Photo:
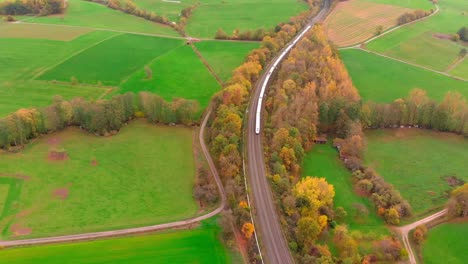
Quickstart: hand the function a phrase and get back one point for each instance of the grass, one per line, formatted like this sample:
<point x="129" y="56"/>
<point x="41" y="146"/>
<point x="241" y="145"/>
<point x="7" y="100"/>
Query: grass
<point x="383" y="80"/>
<point x="199" y="245"/>
<point x="88" y="14"/>
<point x="415" y="162"/>
<point x="168" y="9"/>
<point x="141" y="174"/>
<point x="240" y="14"/>
<point x="224" y="57"/>
<point x="41" y="32"/>
<point x="446" y="243"/>
<point x="413" y="42"/>
<point x="413" y="4"/>
<point x="353" y="22"/>
<point x="112" y="60"/>
<point x="3" y="196"/>
<point x="23" y="59"/>
<point x="178" y="73"/>
<point x="323" y="161"/>
<point x="461" y="70"/>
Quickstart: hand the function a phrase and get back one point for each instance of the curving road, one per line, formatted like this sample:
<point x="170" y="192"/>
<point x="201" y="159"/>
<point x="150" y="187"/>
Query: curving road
<point x="274" y="244"/>
<point x="404" y="230"/>
<point x="145" y="229"/>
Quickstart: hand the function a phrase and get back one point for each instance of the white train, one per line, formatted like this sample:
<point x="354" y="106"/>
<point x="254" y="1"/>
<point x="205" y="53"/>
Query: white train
<point x="258" y="114"/>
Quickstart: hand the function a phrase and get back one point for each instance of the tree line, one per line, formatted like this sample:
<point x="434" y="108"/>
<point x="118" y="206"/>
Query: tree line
<point x="35" y="7"/>
<point x="412" y="16"/>
<point x="101" y="117"/>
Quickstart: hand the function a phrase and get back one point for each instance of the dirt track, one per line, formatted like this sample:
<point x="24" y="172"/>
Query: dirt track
<point x="145" y="229"/>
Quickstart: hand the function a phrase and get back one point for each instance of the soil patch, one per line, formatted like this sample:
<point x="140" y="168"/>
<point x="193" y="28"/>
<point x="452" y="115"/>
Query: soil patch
<point x="62" y="193"/>
<point x="442" y="36"/>
<point x="453" y="181"/>
<point x="19" y="230"/>
<point x="57" y="155"/>
<point x="94" y="163"/>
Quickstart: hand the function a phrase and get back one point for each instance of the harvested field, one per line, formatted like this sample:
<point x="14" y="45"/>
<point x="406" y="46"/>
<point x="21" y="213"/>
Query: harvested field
<point x="355" y="21"/>
<point x="41" y="32"/>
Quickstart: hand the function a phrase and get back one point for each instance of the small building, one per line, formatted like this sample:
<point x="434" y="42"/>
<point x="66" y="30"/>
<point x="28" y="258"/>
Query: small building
<point x="321" y="139"/>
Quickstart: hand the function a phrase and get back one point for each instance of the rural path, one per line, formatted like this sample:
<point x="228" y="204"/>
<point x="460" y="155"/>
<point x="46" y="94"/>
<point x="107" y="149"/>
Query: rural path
<point x="275" y="246"/>
<point x="145" y="229"/>
<point x="404" y="230"/>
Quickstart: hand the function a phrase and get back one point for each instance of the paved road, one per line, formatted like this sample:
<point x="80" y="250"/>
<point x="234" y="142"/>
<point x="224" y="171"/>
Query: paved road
<point x="404" y="230"/>
<point x="145" y="229"/>
<point x="274" y="246"/>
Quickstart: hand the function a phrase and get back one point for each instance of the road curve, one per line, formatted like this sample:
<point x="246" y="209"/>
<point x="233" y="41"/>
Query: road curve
<point x="145" y="229"/>
<point x="274" y="245"/>
<point x="404" y="230"/>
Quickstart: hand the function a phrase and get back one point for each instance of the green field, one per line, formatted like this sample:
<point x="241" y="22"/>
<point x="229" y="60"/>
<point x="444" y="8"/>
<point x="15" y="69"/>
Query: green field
<point x="178" y="73"/>
<point x="461" y="68"/>
<point x="446" y="244"/>
<point x="323" y="161"/>
<point x="3" y="196"/>
<point x="200" y="245"/>
<point x="383" y="80"/>
<point x="168" y="9"/>
<point x="413" y="42"/>
<point x="241" y="14"/>
<point x="112" y="60"/>
<point x="134" y="178"/>
<point x="416" y="161"/>
<point x="88" y="14"/>
<point x="22" y="59"/>
<point x="413" y="4"/>
<point x="225" y="56"/>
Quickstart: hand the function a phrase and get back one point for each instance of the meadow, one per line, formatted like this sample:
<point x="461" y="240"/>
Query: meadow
<point x="133" y="178"/>
<point x="383" y="80"/>
<point x="446" y="243"/>
<point x="81" y="13"/>
<point x="240" y="14"/>
<point x="413" y="42"/>
<point x="417" y="162"/>
<point x="112" y="60"/>
<point x="322" y="161"/>
<point x="169" y="9"/>
<point x="225" y="56"/>
<point x="178" y="73"/>
<point x="199" y="245"/>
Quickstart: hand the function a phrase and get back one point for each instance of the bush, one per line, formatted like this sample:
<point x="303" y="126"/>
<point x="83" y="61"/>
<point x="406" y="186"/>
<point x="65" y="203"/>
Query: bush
<point x="9" y="18"/>
<point x="463" y="33"/>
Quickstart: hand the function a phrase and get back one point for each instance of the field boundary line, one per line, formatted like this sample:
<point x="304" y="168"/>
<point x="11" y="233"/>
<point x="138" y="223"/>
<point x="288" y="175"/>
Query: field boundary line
<point x="412" y="64"/>
<point x="207" y="64"/>
<point x="72" y="55"/>
<point x="149" y="63"/>
<point x="454" y="65"/>
<point x="136" y="230"/>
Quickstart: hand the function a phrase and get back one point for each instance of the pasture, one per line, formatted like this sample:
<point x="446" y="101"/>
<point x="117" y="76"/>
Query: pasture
<point x="178" y="73"/>
<point x="169" y="9"/>
<point x="431" y="36"/>
<point x="225" y="56"/>
<point x="420" y="164"/>
<point x="380" y="79"/>
<point x="240" y="14"/>
<point x="353" y="22"/>
<point x="143" y="175"/>
<point x="199" y="245"/>
<point x="461" y="70"/>
<point x="81" y="13"/>
<point x="111" y="60"/>
<point x="446" y="243"/>
<point x="413" y="4"/>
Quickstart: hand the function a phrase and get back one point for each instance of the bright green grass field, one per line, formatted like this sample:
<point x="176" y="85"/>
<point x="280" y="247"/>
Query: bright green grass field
<point x="178" y="73"/>
<point x="112" y="60"/>
<point x="413" y="4"/>
<point x="88" y="14"/>
<point x="3" y="196"/>
<point x="414" y="42"/>
<point x="240" y="14"/>
<point x="383" y="80"/>
<point x="224" y="57"/>
<point x="446" y="243"/>
<point x="144" y="175"/>
<point x="415" y="161"/>
<point x="323" y="161"/>
<point x="168" y="9"/>
<point x="461" y="69"/>
<point x="21" y="60"/>
<point x="200" y="245"/>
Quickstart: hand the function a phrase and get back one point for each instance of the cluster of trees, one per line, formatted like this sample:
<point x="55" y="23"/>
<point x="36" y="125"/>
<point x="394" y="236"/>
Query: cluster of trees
<point x="255" y="35"/>
<point x="205" y="189"/>
<point x="129" y="7"/>
<point x="36" y="7"/>
<point x="102" y="117"/>
<point x="458" y="203"/>
<point x="185" y="14"/>
<point x="463" y="33"/>
<point x="450" y="115"/>
<point x="225" y="130"/>
<point x="411" y="16"/>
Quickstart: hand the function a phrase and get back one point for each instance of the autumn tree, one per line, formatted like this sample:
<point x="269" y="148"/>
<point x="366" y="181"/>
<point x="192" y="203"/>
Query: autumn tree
<point x="458" y="203"/>
<point x="247" y="230"/>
